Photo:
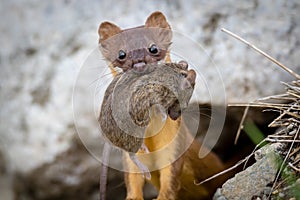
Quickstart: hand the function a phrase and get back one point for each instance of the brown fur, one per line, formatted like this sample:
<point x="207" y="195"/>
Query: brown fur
<point x="135" y="42"/>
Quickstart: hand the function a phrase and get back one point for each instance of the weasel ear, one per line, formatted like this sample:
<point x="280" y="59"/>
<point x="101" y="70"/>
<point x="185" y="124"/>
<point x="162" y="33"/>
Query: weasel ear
<point x="157" y="19"/>
<point x="106" y="30"/>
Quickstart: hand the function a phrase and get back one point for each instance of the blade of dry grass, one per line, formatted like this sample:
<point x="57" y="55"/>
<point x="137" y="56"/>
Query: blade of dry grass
<point x="262" y="52"/>
<point x="241" y="124"/>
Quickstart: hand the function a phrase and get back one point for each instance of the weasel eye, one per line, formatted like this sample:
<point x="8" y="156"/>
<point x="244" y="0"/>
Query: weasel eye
<point x="122" y="55"/>
<point x="153" y="49"/>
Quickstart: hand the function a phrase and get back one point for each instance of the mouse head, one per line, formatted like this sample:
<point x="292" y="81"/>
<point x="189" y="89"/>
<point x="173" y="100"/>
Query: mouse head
<point x="135" y="47"/>
<point x="186" y="86"/>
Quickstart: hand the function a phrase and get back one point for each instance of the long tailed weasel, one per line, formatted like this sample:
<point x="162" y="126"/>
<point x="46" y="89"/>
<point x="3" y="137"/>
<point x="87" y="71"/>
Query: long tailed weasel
<point x="174" y="179"/>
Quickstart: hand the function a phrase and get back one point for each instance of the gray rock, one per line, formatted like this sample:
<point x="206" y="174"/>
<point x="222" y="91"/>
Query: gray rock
<point x="252" y="181"/>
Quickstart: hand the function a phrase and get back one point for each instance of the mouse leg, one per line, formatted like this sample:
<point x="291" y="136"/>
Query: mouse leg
<point x="157" y="120"/>
<point x="183" y="64"/>
<point x="143" y="168"/>
<point x="144" y="148"/>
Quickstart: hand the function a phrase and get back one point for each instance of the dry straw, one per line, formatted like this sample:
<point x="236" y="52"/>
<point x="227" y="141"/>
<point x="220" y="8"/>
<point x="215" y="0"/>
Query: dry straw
<point x="288" y="121"/>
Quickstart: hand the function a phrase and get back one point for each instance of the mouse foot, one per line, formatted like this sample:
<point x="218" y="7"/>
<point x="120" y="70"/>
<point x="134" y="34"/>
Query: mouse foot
<point x="144" y="148"/>
<point x="183" y="64"/>
<point x="144" y="169"/>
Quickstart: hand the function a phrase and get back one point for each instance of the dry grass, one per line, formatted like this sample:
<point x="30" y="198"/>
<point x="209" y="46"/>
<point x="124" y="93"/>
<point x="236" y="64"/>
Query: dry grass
<point x="288" y="124"/>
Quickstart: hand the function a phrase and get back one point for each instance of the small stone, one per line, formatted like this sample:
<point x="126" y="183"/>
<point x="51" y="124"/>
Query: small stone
<point x="267" y="190"/>
<point x="256" y="198"/>
<point x="265" y="197"/>
<point x="258" y="155"/>
<point x="281" y="194"/>
<point x="290" y="127"/>
<point x="218" y="195"/>
<point x="292" y="132"/>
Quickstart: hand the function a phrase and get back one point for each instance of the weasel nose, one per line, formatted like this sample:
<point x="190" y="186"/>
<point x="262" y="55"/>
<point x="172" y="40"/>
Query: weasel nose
<point x="138" y="58"/>
<point x="139" y="67"/>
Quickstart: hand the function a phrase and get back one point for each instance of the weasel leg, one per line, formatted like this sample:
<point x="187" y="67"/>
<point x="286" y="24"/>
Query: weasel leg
<point x="112" y="69"/>
<point x="134" y="181"/>
<point x="168" y="57"/>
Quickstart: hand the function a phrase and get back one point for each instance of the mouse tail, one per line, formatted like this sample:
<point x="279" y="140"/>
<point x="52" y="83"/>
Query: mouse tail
<point x="104" y="170"/>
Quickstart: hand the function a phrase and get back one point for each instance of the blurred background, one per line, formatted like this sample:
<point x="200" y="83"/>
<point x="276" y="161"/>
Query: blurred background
<point x="45" y="43"/>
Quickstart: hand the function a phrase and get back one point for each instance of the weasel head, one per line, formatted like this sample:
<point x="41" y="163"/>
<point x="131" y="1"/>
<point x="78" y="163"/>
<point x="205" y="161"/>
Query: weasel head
<point x="135" y="47"/>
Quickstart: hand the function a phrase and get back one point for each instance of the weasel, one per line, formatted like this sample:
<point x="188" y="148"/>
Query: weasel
<point x="133" y="49"/>
<point x="126" y="49"/>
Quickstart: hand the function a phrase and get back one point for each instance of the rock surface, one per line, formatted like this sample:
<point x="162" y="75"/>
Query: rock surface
<point x="45" y="43"/>
<point x="252" y="181"/>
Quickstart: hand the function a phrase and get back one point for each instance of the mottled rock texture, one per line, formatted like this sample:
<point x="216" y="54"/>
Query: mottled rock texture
<point x="252" y="181"/>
